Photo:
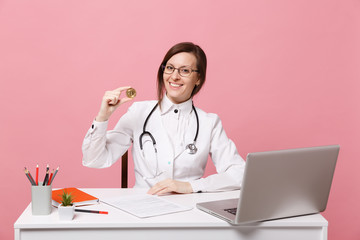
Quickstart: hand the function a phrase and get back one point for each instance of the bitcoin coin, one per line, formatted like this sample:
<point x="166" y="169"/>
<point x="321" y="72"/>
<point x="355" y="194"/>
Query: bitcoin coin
<point x="130" y="93"/>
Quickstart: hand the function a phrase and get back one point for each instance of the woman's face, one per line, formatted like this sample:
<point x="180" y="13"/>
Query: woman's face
<point x="178" y="88"/>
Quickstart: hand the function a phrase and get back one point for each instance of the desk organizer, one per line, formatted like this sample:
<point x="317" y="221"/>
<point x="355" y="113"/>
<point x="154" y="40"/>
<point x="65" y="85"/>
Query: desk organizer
<point x="41" y="199"/>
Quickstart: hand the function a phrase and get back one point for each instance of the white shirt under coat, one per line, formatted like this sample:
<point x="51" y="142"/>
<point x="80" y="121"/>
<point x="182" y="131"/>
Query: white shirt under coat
<point x="173" y="127"/>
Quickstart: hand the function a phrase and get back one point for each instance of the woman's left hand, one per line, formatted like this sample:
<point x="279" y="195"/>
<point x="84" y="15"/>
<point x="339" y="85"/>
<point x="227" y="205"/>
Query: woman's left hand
<point x="170" y="185"/>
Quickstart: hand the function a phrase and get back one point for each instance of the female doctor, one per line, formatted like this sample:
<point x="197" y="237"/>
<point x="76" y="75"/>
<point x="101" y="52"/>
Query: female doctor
<point x="171" y="138"/>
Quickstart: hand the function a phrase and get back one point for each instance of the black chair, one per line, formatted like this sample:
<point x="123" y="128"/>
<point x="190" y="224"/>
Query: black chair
<point x="124" y="170"/>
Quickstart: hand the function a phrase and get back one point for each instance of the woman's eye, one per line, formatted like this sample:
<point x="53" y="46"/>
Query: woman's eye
<point x="169" y="67"/>
<point x="185" y="70"/>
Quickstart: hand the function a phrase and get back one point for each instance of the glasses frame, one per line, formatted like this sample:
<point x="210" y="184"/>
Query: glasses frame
<point x="192" y="70"/>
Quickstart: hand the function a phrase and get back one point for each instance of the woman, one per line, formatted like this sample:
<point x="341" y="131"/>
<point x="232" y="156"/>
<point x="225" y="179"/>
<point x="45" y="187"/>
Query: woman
<point x="171" y="138"/>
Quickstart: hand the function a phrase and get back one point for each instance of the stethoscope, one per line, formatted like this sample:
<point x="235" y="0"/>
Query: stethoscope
<point x="190" y="148"/>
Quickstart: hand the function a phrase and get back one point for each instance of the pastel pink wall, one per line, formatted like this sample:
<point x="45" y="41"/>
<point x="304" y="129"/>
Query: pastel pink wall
<point x="281" y="74"/>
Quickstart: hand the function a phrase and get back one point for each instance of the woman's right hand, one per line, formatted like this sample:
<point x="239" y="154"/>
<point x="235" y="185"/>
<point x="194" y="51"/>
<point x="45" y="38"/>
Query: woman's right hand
<point x="110" y="102"/>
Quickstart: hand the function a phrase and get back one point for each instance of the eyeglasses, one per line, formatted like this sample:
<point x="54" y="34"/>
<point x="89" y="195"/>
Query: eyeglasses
<point x="183" y="71"/>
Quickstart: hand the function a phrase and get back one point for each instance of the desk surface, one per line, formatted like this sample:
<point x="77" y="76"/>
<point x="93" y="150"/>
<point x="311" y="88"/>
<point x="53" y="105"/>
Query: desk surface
<point x="119" y="219"/>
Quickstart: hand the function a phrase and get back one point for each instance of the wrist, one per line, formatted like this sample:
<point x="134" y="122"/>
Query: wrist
<point x="190" y="187"/>
<point x="101" y="118"/>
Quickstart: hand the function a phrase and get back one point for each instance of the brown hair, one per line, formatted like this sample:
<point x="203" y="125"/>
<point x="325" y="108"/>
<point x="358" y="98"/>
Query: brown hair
<point x="201" y="62"/>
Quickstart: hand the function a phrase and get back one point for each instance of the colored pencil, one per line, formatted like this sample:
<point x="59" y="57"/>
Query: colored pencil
<point x="49" y="181"/>
<point x="46" y="178"/>
<point x="32" y="180"/>
<point x="52" y="179"/>
<point x="27" y="173"/>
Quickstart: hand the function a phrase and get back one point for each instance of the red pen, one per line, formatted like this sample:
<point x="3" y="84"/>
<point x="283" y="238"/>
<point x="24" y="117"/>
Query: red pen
<point x="37" y="174"/>
<point x="49" y="181"/>
<point x="91" y="211"/>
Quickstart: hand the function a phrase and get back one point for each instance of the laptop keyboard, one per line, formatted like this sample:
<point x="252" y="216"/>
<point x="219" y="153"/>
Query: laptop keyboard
<point x="231" y="210"/>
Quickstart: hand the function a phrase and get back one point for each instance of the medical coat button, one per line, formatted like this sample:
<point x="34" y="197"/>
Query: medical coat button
<point x="169" y="162"/>
<point x="176" y="111"/>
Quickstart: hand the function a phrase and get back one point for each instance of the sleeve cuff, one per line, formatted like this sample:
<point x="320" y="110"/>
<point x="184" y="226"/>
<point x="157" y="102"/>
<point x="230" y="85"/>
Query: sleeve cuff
<point x="99" y="127"/>
<point x="198" y="185"/>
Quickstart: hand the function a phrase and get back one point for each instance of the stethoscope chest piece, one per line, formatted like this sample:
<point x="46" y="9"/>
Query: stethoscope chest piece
<point x="191" y="148"/>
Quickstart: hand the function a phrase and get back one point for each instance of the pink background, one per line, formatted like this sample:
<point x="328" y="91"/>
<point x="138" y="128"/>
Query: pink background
<point x="281" y="74"/>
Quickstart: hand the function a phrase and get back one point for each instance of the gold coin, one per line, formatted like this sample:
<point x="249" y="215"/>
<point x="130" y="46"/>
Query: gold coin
<point x="130" y="93"/>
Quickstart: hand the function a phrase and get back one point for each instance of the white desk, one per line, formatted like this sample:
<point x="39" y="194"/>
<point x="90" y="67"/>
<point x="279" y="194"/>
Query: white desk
<point x="193" y="224"/>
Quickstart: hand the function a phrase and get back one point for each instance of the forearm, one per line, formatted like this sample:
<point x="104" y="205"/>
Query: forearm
<point x="94" y="146"/>
<point x="103" y="148"/>
<point x="224" y="181"/>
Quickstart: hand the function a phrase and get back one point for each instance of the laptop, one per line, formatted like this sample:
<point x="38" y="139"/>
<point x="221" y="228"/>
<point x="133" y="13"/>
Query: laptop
<point x="280" y="184"/>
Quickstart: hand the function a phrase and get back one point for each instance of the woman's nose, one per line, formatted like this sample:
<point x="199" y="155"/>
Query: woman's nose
<point x="175" y="75"/>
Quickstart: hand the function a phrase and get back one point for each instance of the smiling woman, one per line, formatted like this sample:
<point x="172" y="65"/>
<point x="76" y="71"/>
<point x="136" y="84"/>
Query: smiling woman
<point x="171" y="138"/>
<point x="180" y="84"/>
<point x="189" y="58"/>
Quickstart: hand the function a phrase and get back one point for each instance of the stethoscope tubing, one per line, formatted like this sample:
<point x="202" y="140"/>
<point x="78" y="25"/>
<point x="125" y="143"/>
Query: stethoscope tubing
<point x="191" y="148"/>
<point x="146" y="132"/>
<point x="152" y="137"/>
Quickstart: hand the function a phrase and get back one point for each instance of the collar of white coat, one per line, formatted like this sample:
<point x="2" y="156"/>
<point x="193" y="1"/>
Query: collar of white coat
<point x="168" y="106"/>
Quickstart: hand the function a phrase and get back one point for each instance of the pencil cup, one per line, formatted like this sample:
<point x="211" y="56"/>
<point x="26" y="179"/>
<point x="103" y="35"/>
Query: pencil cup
<point x="41" y="199"/>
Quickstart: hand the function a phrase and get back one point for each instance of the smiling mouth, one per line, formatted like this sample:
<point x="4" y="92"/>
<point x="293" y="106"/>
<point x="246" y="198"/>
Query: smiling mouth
<point x="175" y="85"/>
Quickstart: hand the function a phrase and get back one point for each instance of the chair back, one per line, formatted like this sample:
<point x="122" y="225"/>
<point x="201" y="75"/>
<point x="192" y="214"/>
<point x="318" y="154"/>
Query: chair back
<point x="124" y="170"/>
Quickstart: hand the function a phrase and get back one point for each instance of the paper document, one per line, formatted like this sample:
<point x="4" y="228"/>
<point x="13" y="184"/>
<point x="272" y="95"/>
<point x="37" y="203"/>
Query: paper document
<point x="145" y="205"/>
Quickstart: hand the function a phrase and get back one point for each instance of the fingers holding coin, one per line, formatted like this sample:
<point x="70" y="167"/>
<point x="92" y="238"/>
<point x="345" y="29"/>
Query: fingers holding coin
<point x="114" y="95"/>
<point x="130" y="92"/>
<point x="112" y="100"/>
